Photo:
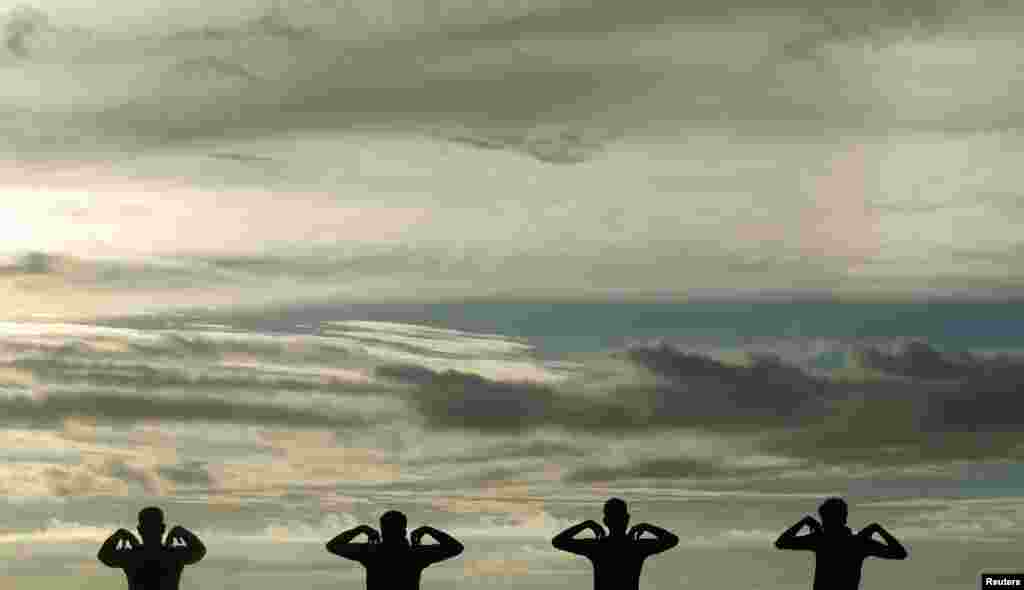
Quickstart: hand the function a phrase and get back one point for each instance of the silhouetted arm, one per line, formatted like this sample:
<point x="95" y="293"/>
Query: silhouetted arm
<point x="342" y="545"/>
<point x="663" y="541"/>
<point x="892" y="549"/>
<point x="109" y="555"/>
<point x="193" y="551"/>
<point x="789" y="540"/>
<point x="565" y="541"/>
<point x="447" y="546"/>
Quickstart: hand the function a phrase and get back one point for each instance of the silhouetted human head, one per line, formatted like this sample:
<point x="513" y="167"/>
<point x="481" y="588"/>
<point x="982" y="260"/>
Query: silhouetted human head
<point x="833" y="513"/>
<point x="151" y="525"/>
<point x="616" y="517"/>
<point x="392" y="527"/>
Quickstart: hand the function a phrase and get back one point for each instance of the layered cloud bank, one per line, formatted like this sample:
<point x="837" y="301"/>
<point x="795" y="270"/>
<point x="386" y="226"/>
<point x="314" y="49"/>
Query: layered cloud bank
<point x="220" y="414"/>
<point x="269" y="441"/>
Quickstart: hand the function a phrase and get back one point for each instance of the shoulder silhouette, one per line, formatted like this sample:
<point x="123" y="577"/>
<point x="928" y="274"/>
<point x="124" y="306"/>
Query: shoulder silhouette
<point x="839" y="553"/>
<point x="152" y="564"/>
<point x="618" y="555"/>
<point x="392" y="561"/>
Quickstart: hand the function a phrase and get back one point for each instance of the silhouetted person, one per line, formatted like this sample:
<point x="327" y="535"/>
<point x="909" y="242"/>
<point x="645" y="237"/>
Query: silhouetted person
<point x="838" y="553"/>
<point x="152" y="565"/>
<point x="618" y="556"/>
<point x="393" y="562"/>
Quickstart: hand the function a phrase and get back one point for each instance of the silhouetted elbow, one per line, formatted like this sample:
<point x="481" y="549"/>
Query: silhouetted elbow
<point x="901" y="553"/>
<point x="457" y="549"/>
<point x="780" y="544"/>
<point x="339" y="548"/>
<point x="671" y="541"/>
<point x="199" y="554"/>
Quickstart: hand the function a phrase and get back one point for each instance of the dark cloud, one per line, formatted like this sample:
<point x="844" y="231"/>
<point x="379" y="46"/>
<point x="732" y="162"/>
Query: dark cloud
<point x="698" y="390"/>
<point x="288" y="76"/>
<point x="938" y="407"/>
<point x="919" y="360"/>
<point x="958" y="391"/>
<point x="454" y="399"/>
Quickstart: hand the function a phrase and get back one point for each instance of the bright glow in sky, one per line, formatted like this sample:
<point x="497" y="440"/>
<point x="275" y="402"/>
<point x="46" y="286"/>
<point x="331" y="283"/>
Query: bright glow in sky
<point x="505" y="149"/>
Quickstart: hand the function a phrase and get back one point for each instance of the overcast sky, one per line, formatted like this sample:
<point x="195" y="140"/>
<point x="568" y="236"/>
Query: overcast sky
<point x="272" y="151"/>
<point x="159" y="157"/>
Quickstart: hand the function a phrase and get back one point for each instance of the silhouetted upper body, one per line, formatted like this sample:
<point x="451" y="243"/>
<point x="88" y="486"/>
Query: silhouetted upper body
<point x="617" y="557"/>
<point x="838" y="552"/>
<point x="152" y="565"/>
<point x="393" y="563"/>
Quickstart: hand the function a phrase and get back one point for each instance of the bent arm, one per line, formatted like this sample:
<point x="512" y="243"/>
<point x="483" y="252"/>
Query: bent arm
<point x="892" y="549"/>
<point x="789" y="540"/>
<point x="447" y="546"/>
<point x="663" y="541"/>
<point x="109" y="555"/>
<point x="194" y="549"/>
<point x="342" y="545"/>
<point x="565" y="540"/>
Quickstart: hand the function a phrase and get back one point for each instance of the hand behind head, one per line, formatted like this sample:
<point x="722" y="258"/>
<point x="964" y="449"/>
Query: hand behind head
<point x="870" y="529"/>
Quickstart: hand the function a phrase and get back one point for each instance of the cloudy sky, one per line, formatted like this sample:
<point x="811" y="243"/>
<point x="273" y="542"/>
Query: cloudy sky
<point x="234" y="239"/>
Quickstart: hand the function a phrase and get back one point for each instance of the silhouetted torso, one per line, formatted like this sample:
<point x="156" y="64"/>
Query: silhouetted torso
<point x="396" y="567"/>
<point x="617" y="561"/>
<point x="157" y="568"/>
<point x="838" y="559"/>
